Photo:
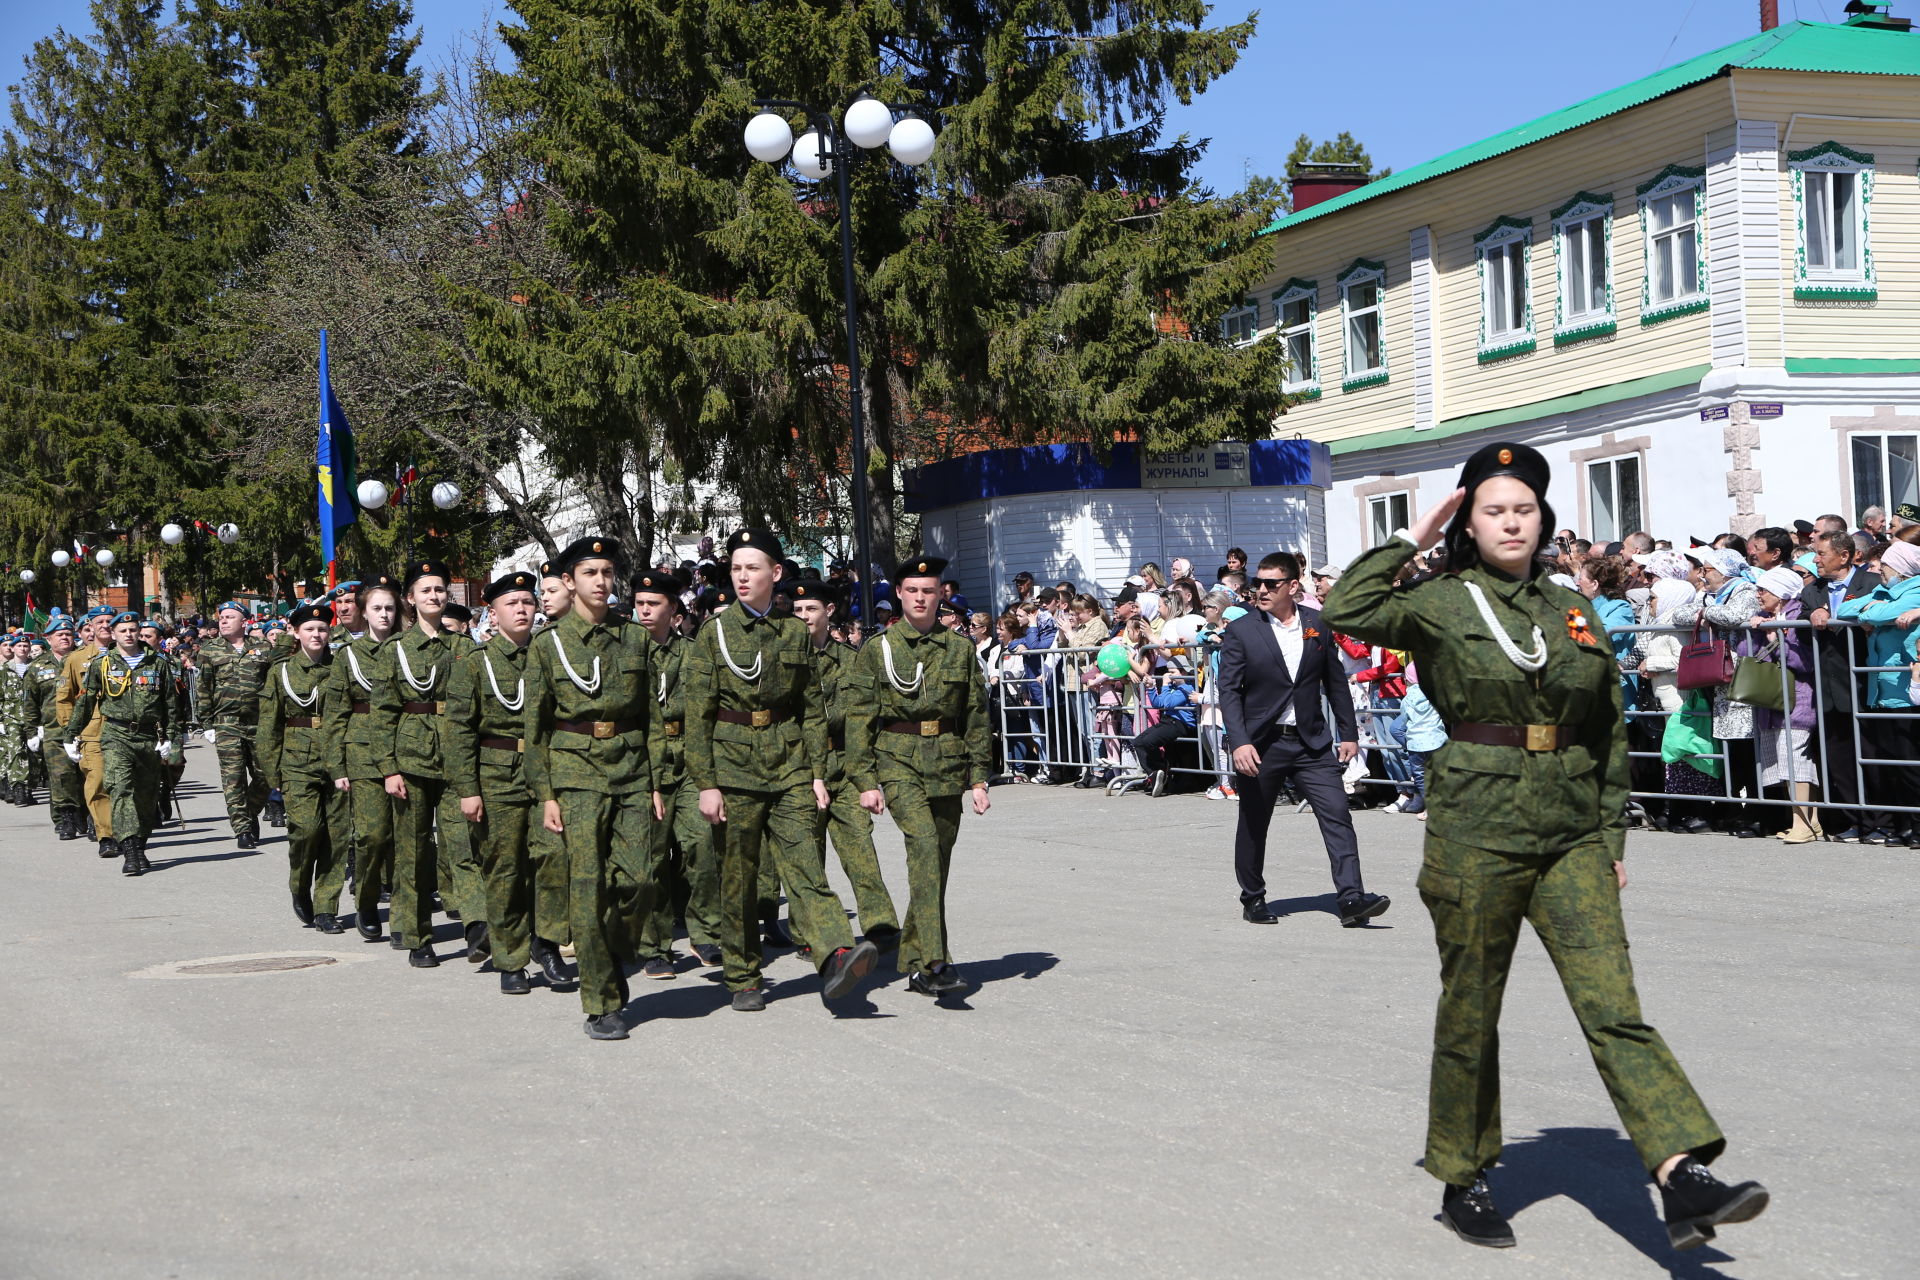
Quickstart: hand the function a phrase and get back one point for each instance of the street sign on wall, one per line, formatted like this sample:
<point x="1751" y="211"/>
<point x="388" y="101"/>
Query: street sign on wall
<point x="1208" y="467"/>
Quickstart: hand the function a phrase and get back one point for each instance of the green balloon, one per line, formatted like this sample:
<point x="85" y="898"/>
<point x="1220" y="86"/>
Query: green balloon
<point x="1114" y="661"/>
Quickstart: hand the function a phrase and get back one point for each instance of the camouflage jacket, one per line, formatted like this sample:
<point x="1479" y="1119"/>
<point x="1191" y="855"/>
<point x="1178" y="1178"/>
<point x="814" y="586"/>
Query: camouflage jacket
<point x="231" y="681"/>
<point x="833" y="665"/>
<point x="43" y="692"/>
<point x="668" y="744"/>
<point x="486" y="698"/>
<point x="950" y="750"/>
<point x="596" y="676"/>
<point x="360" y="670"/>
<point x="297" y="738"/>
<point x="420" y="665"/>
<point x="147" y="700"/>
<point x="790" y="748"/>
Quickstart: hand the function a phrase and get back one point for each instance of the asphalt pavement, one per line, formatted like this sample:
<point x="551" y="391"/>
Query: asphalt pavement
<point x="1140" y="1084"/>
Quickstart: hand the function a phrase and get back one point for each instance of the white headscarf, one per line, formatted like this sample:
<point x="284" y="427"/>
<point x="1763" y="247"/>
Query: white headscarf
<point x="1670" y="594"/>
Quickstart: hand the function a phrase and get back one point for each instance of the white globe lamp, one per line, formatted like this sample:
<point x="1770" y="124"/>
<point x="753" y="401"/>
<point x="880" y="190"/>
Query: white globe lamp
<point x="446" y="494"/>
<point x="27" y="576"/>
<point x="172" y="534"/>
<point x="372" y="494"/>
<point x="769" y="137"/>
<point x="228" y="533"/>
<point x="807" y="158"/>
<point x="868" y="122"/>
<point x="61" y="559"/>
<point x="911" y="141"/>
<point x="103" y="557"/>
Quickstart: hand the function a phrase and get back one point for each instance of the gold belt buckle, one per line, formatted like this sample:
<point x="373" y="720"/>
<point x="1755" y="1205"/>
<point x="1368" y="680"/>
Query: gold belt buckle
<point x="519" y="744"/>
<point x="603" y="728"/>
<point x="1543" y="737"/>
<point x="439" y="708"/>
<point x="763" y="717"/>
<point x="672" y="727"/>
<point x="929" y="728"/>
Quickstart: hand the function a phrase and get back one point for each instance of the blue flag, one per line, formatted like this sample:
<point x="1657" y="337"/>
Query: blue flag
<point x="339" y="474"/>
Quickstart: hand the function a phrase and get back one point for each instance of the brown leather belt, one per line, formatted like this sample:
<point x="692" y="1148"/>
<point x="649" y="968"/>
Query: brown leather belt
<point x="360" y="708"/>
<point x="596" y="728"/>
<point x="1534" y="737"/>
<point x="921" y="728"/>
<point x="752" y="719"/>
<point x="424" y="708"/>
<point x="300" y="722"/>
<point x="673" y="728"/>
<point x="503" y="744"/>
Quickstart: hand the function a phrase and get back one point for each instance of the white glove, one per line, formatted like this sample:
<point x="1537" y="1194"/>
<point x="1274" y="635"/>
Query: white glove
<point x="33" y="743"/>
<point x="73" y="751"/>
<point x="166" y="753"/>
<point x="209" y="735"/>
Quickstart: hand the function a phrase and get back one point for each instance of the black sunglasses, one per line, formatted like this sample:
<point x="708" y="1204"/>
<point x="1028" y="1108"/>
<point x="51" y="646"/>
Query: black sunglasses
<point x="1271" y="584"/>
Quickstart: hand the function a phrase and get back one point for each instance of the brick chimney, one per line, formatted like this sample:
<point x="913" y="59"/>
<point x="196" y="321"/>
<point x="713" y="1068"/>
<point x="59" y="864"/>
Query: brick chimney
<point x="1769" y="14"/>
<point x="1319" y="181"/>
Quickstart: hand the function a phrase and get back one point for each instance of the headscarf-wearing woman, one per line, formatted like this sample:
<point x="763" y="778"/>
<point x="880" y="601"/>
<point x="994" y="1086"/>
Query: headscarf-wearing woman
<point x="1781" y="738"/>
<point x="1526" y="821"/>
<point x="1728" y="602"/>
<point x="1659" y="667"/>
<point x="1890" y="645"/>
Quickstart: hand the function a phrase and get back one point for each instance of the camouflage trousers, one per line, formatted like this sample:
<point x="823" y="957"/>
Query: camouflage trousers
<point x="422" y="865"/>
<point x="506" y="866"/>
<point x="371" y="810"/>
<point x="551" y="917"/>
<point x="63" y="780"/>
<point x="852" y="830"/>
<point x="319" y="829"/>
<point x="608" y="840"/>
<point x="130" y="772"/>
<point x="929" y="825"/>
<point x="1477" y="899"/>
<point x="93" y="787"/>
<point x="17" y="767"/>
<point x="818" y="916"/>
<point x="241" y="784"/>
<point x="685" y="861"/>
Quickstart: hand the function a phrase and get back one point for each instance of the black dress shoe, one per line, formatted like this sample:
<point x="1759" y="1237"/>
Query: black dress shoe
<point x="1846" y="835"/>
<point x="1469" y="1211"/>
<point x="1876" y="836"/>
<point x="303" y="908"/>
<point x="707" y="954"/>
<point x="1693" y="826"/>
<point x="247" y="839"/>
<point x="1355" y="912"/>
<point x="109" y="848"/>
<point x="608" y="1026"/>
<point x="752" y="1000"/>
<point x="423" y="957"/>
<point x="369" y="927"/>
<point x="547" y="956"/>
<point x="936" y="982"/>
<point x="1695" y="1202"/>
<point x="845" y="969"/>
<point x="479" y="946"/>
<point x="327" y="923"/>
<point x="660" y="969"/>
<point x="1258" y="913"/>
<point x="513" y="982"/>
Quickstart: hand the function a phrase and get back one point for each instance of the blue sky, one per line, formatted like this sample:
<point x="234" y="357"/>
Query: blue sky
<point x="1409" y="79"/>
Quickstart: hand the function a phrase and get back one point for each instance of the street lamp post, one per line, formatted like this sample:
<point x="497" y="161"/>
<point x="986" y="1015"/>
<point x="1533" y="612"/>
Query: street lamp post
<point x="824" y="151"/>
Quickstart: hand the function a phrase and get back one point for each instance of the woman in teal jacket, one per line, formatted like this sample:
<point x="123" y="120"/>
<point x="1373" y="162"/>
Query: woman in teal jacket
<point x="1887" y="737"/>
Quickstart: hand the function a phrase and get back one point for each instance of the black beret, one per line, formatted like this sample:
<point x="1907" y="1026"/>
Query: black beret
<point x="1505" y="459"/>
<point x="457" y="612"/>
<point x="379" y="580"/>
<point x="789" y="570"/>
<point x="919" y="566"/>
<point x="311" y="613"/>
<point x="658" y="582"/>
<point x="759" y="540"/>
<point x="547" y="570"/>
<point x="520" y="580"/>
<point x="1803" y="526"/>
<point x="814" y="589"/>
<point x="724" y="595"/>
<point x="419" y="569"/>
<point x="592" y="547"/>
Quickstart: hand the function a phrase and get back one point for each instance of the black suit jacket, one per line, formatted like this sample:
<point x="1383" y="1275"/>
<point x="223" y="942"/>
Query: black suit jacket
<point x="1838" y="644"/>
<point x="1255" y="685"/>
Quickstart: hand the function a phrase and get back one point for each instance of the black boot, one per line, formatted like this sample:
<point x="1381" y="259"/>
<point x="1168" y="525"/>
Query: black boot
<point x="423" y="958"/>
<point x="1469" y="1211"/>
<point x="369" y="925"/>
<point x="130" y="856"/>
<point x="1695" y="1202"/>
<point x="92" y="834"/>
<point x="109" y="848"/>
<point x="276" y="813"/>
<point x="479" y="946"/>
<point x="248" y="837"/>
<point x="66" y="826"/>
<point x="303" y="907"/>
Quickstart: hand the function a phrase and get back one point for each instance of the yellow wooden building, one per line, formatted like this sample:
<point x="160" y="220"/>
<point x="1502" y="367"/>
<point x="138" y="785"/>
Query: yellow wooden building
<point x="1697" y="294"/>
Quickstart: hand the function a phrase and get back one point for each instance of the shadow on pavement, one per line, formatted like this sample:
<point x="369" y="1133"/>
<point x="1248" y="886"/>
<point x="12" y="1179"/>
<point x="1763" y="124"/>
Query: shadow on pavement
<point x="168" y="864"/>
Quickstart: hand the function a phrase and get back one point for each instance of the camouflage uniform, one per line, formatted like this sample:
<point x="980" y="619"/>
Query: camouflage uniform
<point x="685" y="856"/>
<point x="1517" y="833"/>
<point x="15" y="727"/>
<point x="590" y="753"/>
<point x="407" y="713"/>
<point x="361" y="669"/>
<point x="300" y="752"/>
<point x="64" y="797"/>
<point x="924" y="750"/>
<point x="765" y="771"/>
<point x="229" y="696"/>
<point x="140" y="706"/>
<point x="849" y="824"/>
<point x="93" y="780"/>
<point x="481" y="737"/>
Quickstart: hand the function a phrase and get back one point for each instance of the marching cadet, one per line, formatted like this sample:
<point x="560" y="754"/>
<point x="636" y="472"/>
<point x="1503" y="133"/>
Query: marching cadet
<point x="1527" y="821"/>
<point x="16" y="715"/>
<point x="94" y="639"/>
<point x="486" y="768"/>
<point x="232" y="670"/>
<point x="757" y="754"/>
<point x="143" y="712"/>
<point x="363" y="667"/>
<point x="917" y="741"/>
<point x="408" y="711"/>
<point x="551" y="921"/>
<point x="589" y="694"/>
<point x="457" y="619"/>
<point x="685" y="861"/>
<point x="300" y="753"/>
<point x="850" y="825"/>
<point x="43" y="687"/>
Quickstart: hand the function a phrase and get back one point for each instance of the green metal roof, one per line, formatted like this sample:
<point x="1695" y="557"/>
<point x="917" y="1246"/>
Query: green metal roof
<point x="1797" y="46"/>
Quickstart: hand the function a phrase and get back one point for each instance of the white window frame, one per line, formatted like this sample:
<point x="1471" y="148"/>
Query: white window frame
<point x="1573" y="323"/>
<point x="1248" y="313"/>
<point x="1813" y="171"/>
<point x="1296" y="381"/>
<point x="1670" y="182"/>
<point x="1622" y="525"/>
<point x="1886" y="499"/>
<point x="1363" y="271"/>
<point x="1503" y="253"/>
<point x="1379" y="504"/>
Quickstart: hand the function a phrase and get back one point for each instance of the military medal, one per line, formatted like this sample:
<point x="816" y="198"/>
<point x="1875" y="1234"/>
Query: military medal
<point x="1577" y="628"/>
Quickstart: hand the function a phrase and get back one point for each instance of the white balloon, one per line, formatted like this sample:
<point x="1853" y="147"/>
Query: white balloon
<point x="228" y="533"/>
<point x="172" y="534"/>
<point x="103" y="557"/>
<point x="769" y="137"/>
<point x="26" y="576"/>
<point x="446" y="494"/>
<point x="807" y="158"/>
<point x="912" y="141"/>
<point x="867" y="122"/>
<point x="60" y="559"/>
<point x="372" y="494"/>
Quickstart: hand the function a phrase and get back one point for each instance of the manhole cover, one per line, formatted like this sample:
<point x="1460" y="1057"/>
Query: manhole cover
<point x="265" y="964"/>
<point x="242" y="966"/>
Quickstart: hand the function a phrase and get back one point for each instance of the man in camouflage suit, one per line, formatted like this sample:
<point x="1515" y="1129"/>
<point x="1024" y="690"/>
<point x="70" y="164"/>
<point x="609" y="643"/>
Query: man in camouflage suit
<point x="231" y="671"/>
<point x="300" y="753"/>
<point x="64" y="798"/>
<point x="15" y="719"/>
<point x="143" y="707"/>
<point x="918" y="743"/>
